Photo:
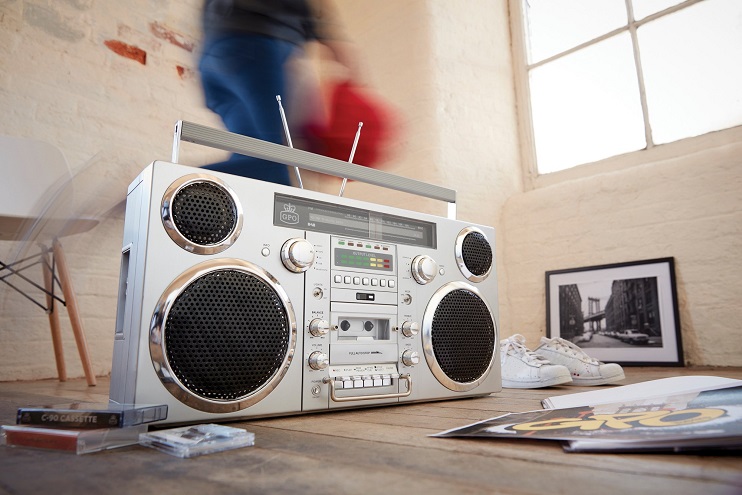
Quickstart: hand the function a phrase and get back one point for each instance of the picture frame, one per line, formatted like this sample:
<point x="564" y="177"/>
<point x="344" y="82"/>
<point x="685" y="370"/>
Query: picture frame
<point x="625" y="313"/>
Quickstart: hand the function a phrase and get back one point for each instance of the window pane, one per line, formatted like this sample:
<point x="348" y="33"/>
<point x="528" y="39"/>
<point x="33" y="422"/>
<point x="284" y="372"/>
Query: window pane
<point x="586" y="106"/>
<point x="643" y="8"/>
<point x="553" y="26"/>
<point x="692" y="70"/>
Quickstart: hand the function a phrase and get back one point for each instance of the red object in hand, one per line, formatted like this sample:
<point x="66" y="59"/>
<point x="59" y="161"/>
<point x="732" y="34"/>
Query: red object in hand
<point x="348" y="106"/>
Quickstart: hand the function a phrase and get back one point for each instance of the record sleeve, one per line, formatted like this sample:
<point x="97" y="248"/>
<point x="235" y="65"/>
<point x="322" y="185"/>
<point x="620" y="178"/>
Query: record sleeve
<point x="71" y="440"/>
<point x="190" y="441"/>
<point x="90" y="415"/>
<point x="683" y="422"/>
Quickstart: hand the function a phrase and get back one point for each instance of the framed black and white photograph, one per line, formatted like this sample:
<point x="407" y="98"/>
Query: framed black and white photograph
<point x="625" y="313"/>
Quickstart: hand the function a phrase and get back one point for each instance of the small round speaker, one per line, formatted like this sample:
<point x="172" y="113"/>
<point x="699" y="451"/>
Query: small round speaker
<point x="459" y="336"/>
<point x="222" y="335"/>
<point x="201" y="214"/>
<point x="473" y="254"/>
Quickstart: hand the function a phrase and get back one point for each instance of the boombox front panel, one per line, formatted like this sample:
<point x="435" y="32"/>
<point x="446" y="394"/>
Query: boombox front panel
<point x="254" y="315"/>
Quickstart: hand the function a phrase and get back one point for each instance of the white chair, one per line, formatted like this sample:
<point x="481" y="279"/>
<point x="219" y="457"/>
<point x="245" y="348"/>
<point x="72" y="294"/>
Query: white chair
<point x="34" y="200"/>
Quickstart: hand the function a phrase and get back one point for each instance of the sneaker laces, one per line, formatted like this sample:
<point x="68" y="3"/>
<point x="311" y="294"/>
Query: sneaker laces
<point x="516" y="343"/>
<point x="573" y="349"/>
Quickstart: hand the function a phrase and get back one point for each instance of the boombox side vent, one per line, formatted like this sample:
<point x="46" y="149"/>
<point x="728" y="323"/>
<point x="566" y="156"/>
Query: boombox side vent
<point x="201" y="214"/>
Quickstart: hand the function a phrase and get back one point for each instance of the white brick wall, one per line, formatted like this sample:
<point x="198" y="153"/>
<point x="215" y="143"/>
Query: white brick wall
<point x="446" y="68"/>
<point x="110" y="115"/>
<point x="688" y="207"/>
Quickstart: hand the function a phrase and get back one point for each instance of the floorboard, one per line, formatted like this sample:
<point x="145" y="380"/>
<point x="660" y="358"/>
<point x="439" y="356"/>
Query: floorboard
<point x="376" y="450"/>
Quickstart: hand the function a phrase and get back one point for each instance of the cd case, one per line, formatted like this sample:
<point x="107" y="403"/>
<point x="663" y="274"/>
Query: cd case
<point x="90" y="415"/>
<point x="71" y="440"/>
<point x="191" y="441"/>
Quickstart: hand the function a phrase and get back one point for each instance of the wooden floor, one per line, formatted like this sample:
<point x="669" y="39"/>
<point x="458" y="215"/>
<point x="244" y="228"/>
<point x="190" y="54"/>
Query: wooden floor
<point x="381" y="450"/>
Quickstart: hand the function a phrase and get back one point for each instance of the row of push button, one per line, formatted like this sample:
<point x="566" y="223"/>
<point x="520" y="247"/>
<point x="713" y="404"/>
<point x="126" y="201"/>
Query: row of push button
<point x="373" y="282"/>
<point x="364" y="381"/>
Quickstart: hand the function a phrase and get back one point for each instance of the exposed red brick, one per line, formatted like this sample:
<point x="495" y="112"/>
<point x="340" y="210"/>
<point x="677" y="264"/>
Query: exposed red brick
<point x="128" y="51"/>
<point x="171" y="36"/>
<point x="185" y="73"/>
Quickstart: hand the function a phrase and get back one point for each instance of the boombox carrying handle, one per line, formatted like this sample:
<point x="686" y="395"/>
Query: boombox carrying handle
<point x="244" y="145"/>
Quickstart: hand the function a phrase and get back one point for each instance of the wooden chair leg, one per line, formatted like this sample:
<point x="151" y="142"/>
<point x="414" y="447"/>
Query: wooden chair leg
<point x="73" y="311"/>
<point x="54" y="318"/>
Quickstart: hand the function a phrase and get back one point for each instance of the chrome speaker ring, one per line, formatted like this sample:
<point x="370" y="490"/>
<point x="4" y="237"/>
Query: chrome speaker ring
<point x="233" y="214"/>
<point x="428" y="338"/>
<point x="168" y="374"/>
<point x="460" y="255"/>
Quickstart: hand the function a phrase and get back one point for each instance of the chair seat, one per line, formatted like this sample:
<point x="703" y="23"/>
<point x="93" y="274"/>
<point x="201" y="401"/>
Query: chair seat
<point x="37" y="203"/>
<point x="14" y="228"/>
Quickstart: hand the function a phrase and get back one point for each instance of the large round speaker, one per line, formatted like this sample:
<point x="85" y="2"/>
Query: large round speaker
<point x="201" y="214"/>
<point x="473" y="254"/>
<point x="222" y="335"/>
<point x="459" y="336"/>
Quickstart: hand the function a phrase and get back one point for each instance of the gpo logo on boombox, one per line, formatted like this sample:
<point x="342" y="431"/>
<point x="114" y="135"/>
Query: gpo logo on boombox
<point x="240" y="298"/>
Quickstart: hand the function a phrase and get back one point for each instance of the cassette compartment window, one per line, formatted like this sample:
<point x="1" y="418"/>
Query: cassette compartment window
<point x="354" y="328"/>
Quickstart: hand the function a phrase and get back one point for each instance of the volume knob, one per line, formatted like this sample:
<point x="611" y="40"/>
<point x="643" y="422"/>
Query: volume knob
<point x="410" y="358"/>
<point x="318" y="360"/>
<point x="297" y="255"/>
<point x="424" y="269"/>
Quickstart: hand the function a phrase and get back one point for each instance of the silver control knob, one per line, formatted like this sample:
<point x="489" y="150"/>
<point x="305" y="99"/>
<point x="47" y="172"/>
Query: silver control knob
<point x="319" y="327"/>
<point x="410" y="329"/>
<point x="318" y="360"/>
<point x="410" y="358"/>
<point x="424" y="269"/>
<point x="297" y="255"/>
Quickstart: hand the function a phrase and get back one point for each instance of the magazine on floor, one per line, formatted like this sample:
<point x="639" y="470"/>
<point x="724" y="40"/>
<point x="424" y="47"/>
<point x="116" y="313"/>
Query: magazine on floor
<point x="664" y="386"/>
<point x="691" y="421"/>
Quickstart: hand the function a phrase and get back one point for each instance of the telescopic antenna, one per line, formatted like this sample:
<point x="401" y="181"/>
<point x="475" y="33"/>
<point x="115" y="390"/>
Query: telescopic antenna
<point x="352" y="154"/>
<point x="288" y="138"/>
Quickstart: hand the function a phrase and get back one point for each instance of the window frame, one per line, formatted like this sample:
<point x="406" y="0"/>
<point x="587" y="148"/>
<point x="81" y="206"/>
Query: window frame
<point x="651" y="153"/>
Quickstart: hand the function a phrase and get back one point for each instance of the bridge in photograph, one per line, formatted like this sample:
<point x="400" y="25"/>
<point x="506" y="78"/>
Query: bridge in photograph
<point x="594" y="314"/>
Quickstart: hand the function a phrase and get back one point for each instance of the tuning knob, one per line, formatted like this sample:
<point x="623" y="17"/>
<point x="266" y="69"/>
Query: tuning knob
<point x="423" y="269"/>
<point x="319" y="327"/>
<point x="318" y="360"/>
<point x="410" y="358"/>
<point x="297" y="255"/>
<point x="410" y="328"/>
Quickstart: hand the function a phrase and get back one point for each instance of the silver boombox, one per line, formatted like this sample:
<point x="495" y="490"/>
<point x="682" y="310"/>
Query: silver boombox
<point x="240" y="298"/>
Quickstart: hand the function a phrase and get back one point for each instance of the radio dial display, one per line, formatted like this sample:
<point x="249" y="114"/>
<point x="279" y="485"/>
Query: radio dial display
<point x="318" y="216"/>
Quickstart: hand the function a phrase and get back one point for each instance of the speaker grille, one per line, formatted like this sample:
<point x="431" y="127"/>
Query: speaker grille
<point x="204" y="213"/>
<point x="477" y="253"/>
<point x="463" y="336"/>
<point x="226" y="335"/>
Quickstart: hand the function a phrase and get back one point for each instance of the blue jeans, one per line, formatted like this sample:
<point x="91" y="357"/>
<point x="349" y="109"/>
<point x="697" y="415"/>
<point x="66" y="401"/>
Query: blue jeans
<point x="241" y="76"/>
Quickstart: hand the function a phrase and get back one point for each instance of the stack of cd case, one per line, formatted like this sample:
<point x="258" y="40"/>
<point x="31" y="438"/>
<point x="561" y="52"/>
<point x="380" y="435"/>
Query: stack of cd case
<point x="192" y="441"/>
<point x="81" y="427"/>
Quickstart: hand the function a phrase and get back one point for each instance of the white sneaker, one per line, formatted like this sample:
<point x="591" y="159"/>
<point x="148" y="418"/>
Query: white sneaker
<point x="522" y="368"/>
<point x="585" y="370"/>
